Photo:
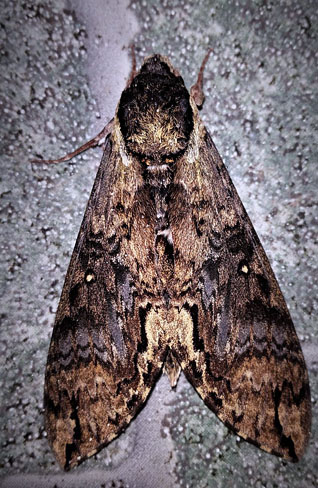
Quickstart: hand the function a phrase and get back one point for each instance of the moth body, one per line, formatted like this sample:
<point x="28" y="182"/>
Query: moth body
<point x="168" y="272"/>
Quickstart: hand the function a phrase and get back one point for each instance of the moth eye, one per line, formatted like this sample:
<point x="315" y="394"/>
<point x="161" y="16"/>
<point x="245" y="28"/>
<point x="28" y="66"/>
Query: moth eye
<point x="243" y="268"/>
<point x="90" y="277"/>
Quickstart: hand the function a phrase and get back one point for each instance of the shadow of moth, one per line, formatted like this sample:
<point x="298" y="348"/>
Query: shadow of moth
<point x="168" y="272"/>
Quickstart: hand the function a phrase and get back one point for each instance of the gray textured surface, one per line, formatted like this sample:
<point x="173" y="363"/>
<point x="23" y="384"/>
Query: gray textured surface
<point x="61" y="77"/>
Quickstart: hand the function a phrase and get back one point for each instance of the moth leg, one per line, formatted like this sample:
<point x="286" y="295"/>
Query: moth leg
<point x="197" y="90"/>
<point x="133" y="71"/>
<point x="92" y="143"/>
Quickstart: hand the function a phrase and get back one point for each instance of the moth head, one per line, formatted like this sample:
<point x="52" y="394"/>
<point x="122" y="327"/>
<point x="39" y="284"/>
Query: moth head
<point x="154" y="111"/>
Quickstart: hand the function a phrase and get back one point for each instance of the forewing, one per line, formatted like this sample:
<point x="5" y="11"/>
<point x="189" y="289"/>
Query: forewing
<point x="101" y="366"/>
<point x="243" y="355"/>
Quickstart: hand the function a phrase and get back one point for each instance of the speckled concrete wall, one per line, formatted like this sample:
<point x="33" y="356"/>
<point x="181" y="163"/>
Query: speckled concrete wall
<point x="63" y="67"/>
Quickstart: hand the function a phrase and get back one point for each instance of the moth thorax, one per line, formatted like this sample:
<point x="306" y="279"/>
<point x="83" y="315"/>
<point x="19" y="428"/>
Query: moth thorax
<point x="158" y="173"/>
<point x="157" y="132"/>
<point x="155" y="114"/>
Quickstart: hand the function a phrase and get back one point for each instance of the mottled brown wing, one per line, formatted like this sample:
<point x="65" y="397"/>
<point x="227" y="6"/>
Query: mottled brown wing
<point x="243" y="357"/>
<point x="101" y="363"/>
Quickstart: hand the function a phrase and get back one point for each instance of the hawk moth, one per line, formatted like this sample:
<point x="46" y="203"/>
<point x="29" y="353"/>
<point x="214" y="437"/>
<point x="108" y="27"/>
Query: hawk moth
<point x="168" y="272"/>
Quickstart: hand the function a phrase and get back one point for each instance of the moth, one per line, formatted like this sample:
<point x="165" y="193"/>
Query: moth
<point x="168" y="273"/>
